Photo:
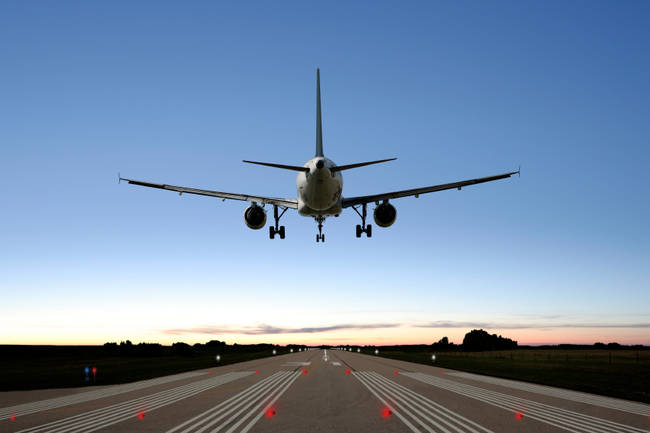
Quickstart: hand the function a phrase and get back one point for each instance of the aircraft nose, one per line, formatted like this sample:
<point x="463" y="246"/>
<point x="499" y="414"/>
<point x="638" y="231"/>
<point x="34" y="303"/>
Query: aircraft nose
<point x="320" y="164"/>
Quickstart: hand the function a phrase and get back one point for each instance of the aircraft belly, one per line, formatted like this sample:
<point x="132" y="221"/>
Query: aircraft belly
<point x="320" y="194"/>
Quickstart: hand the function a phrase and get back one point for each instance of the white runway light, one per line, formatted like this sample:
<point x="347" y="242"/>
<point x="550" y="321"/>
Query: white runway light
<point x="291" y="350"/>
<point x="433" y="358"/>
<point x="274" y="352"/>
<point x="218" y="358"/>
<point x="376" y="351"/>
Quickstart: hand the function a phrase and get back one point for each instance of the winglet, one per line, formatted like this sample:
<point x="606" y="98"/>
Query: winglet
<point x="519" y="170"/>
<point x="119" y="178"/>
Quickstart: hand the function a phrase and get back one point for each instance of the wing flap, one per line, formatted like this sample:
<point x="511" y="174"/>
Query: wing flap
<point x="285" y="202"/>
<point x="347" y="202"/>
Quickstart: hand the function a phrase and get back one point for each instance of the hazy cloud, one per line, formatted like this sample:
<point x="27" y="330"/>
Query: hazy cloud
<point x="265" y="329"/>
<point x="531" y="325"/>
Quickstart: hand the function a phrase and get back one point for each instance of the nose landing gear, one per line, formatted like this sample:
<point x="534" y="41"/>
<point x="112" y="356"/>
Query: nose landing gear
<point x="363" y="228"/>
<point x="320" y="237"/>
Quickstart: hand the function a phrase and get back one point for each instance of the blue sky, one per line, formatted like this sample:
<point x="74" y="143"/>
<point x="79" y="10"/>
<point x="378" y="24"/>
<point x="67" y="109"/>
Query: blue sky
<point x="181" y="93"/>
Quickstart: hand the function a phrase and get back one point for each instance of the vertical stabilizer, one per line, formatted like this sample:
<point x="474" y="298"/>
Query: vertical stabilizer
<point x="319" y="126"/>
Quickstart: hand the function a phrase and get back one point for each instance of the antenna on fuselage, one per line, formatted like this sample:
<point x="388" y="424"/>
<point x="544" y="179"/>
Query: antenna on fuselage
<point x="319" y="126"/>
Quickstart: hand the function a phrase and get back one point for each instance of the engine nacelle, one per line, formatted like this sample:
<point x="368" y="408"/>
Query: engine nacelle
<point x="255" y="217"/>
<point x="385" y="215"/>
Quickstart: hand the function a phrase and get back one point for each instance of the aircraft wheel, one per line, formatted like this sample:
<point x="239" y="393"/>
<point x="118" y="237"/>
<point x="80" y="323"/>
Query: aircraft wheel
<point x="369" y="230"/>
<point x="281" y="232"/>
<point x="322" y="237"/>
<point x="317" y="238"/>
<point x="271" y="232"/>
<point x="358" y="231"/>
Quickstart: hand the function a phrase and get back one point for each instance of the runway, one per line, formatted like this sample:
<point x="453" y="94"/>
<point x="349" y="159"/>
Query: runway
<point x="320" y="391"/>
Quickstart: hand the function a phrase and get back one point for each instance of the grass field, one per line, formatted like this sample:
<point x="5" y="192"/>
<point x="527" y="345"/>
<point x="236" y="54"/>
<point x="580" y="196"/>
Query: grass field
<point x="617" y="373"/>
<point x="60" y="369"/>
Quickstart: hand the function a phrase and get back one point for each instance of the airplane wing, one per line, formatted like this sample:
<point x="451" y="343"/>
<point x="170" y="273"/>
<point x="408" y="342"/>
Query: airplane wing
<point x="347" y="202"/>
<point x="285" y="202"/>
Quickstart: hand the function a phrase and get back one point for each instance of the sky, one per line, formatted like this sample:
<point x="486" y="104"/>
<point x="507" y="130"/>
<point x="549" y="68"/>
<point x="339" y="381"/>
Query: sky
<point x="181" y="93"/>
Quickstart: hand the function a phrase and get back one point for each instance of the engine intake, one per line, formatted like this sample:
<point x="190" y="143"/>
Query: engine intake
<point x="255" y="217"/>
<point x="385" y="215"/>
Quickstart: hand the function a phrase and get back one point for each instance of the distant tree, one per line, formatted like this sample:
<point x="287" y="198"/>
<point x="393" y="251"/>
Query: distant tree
<point x="182" y="349"/>
<point x="478" y="340"/>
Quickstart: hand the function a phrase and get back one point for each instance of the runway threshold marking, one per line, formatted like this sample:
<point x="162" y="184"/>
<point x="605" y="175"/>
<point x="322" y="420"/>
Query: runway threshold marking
<point x="109" y="415"/>
<point x="67" y="400"/>
<point x="296" y="364"/>
<point x="414" y="409"/>
<point x="255" y="401"/>
<point x="552" y="415"/>
<point x="580" y="397"/>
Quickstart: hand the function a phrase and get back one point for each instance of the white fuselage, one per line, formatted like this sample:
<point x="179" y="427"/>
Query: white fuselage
<point x="319" y="190"/>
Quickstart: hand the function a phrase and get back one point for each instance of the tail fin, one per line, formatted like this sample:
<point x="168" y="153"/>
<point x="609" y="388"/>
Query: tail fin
<point x="319" y="127"/>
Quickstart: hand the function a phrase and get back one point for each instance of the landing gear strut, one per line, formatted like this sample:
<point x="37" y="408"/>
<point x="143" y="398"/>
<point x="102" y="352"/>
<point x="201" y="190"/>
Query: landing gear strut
<point x="363" y="228"/>
<point x="277" y="230"/>
<point x="320" y="237"/>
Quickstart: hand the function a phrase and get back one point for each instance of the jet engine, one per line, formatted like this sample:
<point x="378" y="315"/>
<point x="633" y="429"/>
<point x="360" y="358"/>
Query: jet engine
<point x="255" y="217"/>
<point x="385" y="215"/>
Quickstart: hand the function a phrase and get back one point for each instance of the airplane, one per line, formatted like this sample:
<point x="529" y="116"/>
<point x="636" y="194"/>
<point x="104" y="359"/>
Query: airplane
<point x="320" y="186"/>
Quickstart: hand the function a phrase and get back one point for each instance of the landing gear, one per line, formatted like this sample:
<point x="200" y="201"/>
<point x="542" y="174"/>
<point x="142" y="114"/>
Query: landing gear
<point x="275" y="230"/>
<point x="320" y="237"/>
<point x="363" y="228"/>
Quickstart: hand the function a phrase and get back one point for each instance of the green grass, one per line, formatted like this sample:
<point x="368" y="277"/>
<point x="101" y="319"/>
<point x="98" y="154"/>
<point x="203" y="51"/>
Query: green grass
<point x="61" y="370"/>
<point x="617" y="373"/>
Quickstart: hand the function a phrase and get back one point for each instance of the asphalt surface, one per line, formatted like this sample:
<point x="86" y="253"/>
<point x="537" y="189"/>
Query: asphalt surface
<point x="320" y="391"/>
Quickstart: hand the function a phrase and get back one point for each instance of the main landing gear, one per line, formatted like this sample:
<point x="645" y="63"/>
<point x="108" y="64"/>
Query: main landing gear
<point x="275" y="230"/>
<point x="320" y="237"/>
<point x="363" y="228"/>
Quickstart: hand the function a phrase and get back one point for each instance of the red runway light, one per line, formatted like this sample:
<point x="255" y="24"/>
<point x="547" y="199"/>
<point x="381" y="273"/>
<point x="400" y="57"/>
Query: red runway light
<point x="94" y="370"/>
<point x="519" y="415"/>
<point x="396" y="372"/>
<point x="140" y="415"/>
<point x="347" y="371"/>
<point x="385" y="412"/>
<point x="12" y="418"/>
<point x="257" y="372"/>
<point x="304" y="372"/>
<point x="270" y="413"/>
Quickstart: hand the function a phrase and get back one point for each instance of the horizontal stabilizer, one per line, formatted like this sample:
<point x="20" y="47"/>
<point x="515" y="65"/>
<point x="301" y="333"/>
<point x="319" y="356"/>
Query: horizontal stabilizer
<point x="359" y="164"/>
<point x="285" y="167"/>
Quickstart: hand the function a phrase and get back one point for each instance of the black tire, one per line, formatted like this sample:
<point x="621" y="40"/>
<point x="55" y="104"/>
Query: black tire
<point x="322" y="237"/>
<point x="369" y="230"/>
<point x="358" y="231"/>
<point x="271" y="232"/>
<point x="281" y="232"/>
<point x="317" y="238"/>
